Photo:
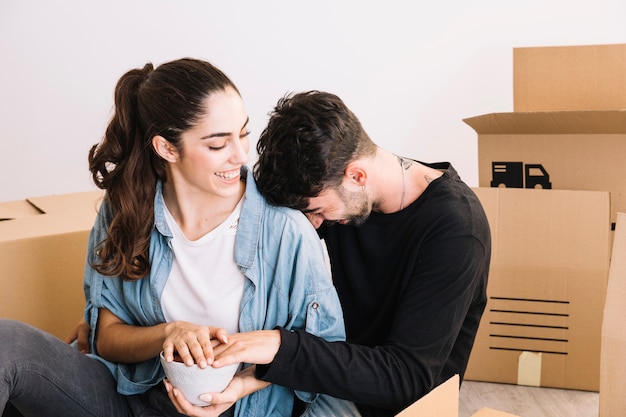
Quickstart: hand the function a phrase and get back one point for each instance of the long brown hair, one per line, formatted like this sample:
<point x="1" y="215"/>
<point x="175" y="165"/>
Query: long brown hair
<point x="165" y="101"/>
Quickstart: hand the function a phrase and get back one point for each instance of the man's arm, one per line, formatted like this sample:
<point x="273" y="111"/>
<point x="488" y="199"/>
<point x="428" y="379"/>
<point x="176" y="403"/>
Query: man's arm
<point x="395" y="373"/>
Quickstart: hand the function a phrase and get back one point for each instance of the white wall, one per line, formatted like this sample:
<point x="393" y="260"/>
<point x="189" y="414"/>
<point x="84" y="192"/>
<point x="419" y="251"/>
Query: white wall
<point x="411" y="70"/>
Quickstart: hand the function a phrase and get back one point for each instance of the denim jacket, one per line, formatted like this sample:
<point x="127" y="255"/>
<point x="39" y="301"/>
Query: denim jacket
<point x="287" y="284"/>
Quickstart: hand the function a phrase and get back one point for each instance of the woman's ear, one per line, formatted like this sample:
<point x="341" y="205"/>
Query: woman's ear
<point x="164" y="148"/>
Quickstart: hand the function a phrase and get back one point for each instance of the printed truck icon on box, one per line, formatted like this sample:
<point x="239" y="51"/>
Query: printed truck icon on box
<point x="518" y="175"/>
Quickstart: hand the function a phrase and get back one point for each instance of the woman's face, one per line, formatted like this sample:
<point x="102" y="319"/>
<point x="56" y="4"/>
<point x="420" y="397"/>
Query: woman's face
<point x="213" y="151"/>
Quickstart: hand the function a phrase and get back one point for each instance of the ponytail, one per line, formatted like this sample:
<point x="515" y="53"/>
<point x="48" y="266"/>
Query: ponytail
<point x="124" y="165"/>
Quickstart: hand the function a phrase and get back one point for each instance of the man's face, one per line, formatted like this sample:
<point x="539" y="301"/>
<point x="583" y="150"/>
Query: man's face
<point x="338" y="205"/>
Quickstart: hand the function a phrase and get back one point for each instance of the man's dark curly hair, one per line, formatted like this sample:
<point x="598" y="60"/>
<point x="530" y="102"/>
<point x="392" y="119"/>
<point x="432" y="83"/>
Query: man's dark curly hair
<point x="309" y="141"/>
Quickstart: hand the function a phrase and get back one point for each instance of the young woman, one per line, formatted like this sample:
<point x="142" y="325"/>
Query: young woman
<point x="183" y="250"/>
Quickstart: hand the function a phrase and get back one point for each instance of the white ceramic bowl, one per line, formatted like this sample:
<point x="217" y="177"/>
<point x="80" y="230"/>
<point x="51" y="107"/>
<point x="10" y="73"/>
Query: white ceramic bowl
<point x="193" y="381"/>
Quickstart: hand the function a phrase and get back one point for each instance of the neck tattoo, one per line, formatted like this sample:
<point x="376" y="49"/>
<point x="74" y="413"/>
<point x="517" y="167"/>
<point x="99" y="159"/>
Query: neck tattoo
<point x="404" y="165"/>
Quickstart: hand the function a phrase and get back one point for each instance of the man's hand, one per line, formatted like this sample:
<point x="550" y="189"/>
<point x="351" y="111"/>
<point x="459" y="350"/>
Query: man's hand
<point x="80" y="334"/>
<point x="257" y="347"/>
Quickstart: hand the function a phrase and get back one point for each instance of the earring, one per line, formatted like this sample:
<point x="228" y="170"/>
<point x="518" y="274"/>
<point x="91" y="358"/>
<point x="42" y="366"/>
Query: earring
<point x="363" y="188"/>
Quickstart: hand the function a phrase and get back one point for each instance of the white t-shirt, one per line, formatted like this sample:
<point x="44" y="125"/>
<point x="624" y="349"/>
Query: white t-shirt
<point x="204" y="286"/>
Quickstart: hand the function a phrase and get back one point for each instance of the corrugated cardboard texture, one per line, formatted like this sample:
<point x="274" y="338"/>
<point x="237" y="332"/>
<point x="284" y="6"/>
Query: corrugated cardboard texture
<point x="589" y="77"/>
<point x="547" y="285"/>
<point x="613" y="359"/>
<point x="578" y="150"/>
<point x="443" y="401"/>
<point x="43" y="244"/>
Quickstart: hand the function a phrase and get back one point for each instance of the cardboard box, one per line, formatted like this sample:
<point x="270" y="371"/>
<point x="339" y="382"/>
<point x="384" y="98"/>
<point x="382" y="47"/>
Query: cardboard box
<point x="566" y="135"/>
<point x="546" y="290"/>
<point x="613" y="359"/>
<point x="489" y="412"/>
<point x="591" y="77"/>
<point x="580" y="150"/>
<point x="43" y="244"/>
<point x="443" y="401"/>
<point x="568" y="130"/>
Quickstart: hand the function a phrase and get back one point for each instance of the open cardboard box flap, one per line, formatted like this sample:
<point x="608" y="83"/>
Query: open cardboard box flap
<point x="490" y="412"/>
<point x="443" y="401"/>
<point x="561" y="122"/>
<point x="584" y="77"/>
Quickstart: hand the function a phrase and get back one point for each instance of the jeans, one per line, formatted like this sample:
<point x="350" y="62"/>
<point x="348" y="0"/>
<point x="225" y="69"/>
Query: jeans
<point x="42" y="376"/>
<point x="326" y="406"/>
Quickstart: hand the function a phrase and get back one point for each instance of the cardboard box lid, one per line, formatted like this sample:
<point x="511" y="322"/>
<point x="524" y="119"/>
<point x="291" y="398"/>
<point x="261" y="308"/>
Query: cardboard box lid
<point x="48" y="215"/>
<point x="613" y="345"/>
<point x="17" y="210"/>
<point x="562" y="122"/>
<point x="586" y="77"/>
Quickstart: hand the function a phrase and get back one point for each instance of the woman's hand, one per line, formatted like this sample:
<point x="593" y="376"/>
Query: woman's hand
<point x="185" y="407"/>
<point x="80" y="334"/>
<point x="242" y="384"/>
<point x="193" y="343"/>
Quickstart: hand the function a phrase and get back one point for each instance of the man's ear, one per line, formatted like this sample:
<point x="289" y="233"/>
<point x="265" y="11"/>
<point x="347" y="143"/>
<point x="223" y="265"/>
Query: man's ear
<point x="355" y="176"/>
<point x="164" y="148"/>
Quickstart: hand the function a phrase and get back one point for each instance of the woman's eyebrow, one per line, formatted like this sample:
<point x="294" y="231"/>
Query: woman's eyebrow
<point x="224" y="134"/>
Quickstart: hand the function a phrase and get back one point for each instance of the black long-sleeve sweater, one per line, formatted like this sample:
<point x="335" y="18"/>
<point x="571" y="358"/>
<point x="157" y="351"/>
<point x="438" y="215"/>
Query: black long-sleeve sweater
<point x="413" y="288"/>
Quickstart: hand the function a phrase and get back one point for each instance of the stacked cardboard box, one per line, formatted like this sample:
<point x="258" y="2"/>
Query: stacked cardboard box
<point x="43" y="243"/>
<point x="552" y="180"/>
<point x="546" y="288"/>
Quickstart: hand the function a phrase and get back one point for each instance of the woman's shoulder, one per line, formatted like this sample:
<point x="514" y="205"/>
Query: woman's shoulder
<point x="288" y="216"/>
<point x="254" y="200"/>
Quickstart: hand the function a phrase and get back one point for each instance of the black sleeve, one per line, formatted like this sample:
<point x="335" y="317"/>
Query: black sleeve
<point x="448" y="278"/>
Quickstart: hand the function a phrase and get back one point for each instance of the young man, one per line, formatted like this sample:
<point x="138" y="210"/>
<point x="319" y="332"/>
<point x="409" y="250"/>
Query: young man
<point x="409" y="248"/>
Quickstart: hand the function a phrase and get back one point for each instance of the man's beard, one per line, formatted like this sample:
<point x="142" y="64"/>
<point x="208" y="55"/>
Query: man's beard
<point x="357" y="206"/>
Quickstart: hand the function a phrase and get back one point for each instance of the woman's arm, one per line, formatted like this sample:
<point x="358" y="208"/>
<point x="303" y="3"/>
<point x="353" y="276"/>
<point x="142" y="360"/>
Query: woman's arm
<point x="120" y="342"/>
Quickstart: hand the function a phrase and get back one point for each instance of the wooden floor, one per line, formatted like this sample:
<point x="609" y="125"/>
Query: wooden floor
<point x="526" y="401"/>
